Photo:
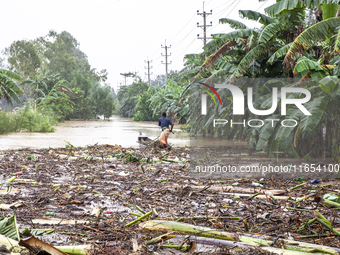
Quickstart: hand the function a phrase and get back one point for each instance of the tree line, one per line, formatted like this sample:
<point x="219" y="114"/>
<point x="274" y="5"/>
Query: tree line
<point x="297" y="44"/>
<point x="53" y="75"/>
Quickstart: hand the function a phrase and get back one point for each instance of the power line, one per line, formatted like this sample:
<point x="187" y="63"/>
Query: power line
<point x="262" y="5"/>
<point x="225" y="3"/>
<point x="219" y="12"/>
<point x="179" y="55"/>
<point x="230" y="3"/>
<point x="234" y="7"/>
<point x="187" y="46"/>
<point x="187" y="35"/>
<point x="182" y="28"/>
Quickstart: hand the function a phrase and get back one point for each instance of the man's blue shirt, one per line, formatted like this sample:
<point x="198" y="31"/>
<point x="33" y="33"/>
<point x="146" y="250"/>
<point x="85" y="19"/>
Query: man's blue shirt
<point x="164" y="122"/>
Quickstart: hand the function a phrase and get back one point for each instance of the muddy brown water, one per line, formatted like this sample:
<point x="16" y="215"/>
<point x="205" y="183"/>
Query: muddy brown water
<point x="117" y="130"/>
<point x="123" y="132"/>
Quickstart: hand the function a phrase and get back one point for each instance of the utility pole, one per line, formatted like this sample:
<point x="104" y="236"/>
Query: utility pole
<point x="166" y="60"/>
<point x="148" y="70"/>
<point x="204" y="26"/>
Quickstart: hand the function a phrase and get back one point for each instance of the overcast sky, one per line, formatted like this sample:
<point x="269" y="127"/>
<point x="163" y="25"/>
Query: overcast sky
<point x="120" y="35"/>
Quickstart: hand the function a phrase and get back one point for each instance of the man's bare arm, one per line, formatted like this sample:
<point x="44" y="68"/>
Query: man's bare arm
<point x="172" y="126"/>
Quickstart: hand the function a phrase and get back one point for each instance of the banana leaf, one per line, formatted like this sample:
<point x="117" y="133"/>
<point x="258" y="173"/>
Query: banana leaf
<point x="8" y="228"/>
<point x="332" y="197"/>
<point x="35" y="232"/>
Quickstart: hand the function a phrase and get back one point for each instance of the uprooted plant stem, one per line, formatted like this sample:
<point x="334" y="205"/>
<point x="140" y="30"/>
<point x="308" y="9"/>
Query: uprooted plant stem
<point x="65" y="188"/>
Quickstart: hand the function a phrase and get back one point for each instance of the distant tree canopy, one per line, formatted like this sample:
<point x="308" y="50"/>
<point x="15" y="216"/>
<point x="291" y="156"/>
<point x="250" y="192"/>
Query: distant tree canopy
<point x="58" y="55"/>
<point x="142" y="102"/>
<point x="128" y="97"/>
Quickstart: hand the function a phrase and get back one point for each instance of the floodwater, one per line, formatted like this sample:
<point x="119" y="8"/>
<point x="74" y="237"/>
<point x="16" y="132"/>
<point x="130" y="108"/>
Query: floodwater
<point x="116" y="131"/>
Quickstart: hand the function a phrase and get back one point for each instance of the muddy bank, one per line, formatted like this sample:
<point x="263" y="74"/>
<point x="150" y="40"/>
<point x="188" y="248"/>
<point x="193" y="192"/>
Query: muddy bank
<point x="88" y="195"/>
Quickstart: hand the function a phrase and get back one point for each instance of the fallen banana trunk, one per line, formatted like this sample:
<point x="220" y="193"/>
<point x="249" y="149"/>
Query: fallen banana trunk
<point x="166" y="226"/>
<point x="290" y="246"/>
<point x="233" y="188"/>
<point x="77" y="250"/>
<point x="197" y="218"/>
<point x="36" y="245"/>
<point x="330" y="203"/>
<point x="32" y="243"/>
<point x="258" y="196"/>
<point x="55" y="221"/>
<point x="172" y="160"/>
<point x="10" y="206"/>
<point x="10" y="244"/>
<point x="139" y="219"/>
<point x="217" y="242"/>
<point x="212" y="241"/>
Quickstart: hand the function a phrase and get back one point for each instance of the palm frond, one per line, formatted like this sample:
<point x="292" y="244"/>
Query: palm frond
<point x="220" y="39"/>
<point x="224" y="64"/>
<point x="286" y="5"/>
<point x="211" y="47"/>
<point x="279" y="53"/>
<point x="193" y="59"/>
<point x="307" y="64"/>
<point x="40" y="92"/>
<point x="253" y="15"/>
<point x="212" y="59"/>
<point x="318" y="32"/>
<point x="242" y="33"/>
<point x="253" y="54"/>
<point x="337" y="41"/>
<point x="9" y="89"/>
<point x="329" y="10"/>
<point x="189" y="74"/>
<point x="11" y="74"/>
<point x="233" y="23"/>
<point x="269" y="31"/>
<point x="217" y="74"/>
<point x="317" y="109"/>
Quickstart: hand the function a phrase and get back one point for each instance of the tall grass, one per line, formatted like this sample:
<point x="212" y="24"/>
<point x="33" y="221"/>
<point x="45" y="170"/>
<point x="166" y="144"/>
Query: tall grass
<point x="25" y="119"/>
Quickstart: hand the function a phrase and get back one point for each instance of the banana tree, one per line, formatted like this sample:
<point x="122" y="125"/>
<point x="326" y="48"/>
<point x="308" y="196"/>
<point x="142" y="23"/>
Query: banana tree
<point x="167" y="99"/>
<point x="8" y="87"/>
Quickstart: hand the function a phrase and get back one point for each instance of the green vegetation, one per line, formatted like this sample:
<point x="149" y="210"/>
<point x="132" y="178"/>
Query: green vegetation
<point x="146" y="103"/>
<point x="25" y="119"/>
<point x="9" y="90"/>
<point x="57" y="78"/>
<point x="295" y="39"/>
<point x="133" y="101"/>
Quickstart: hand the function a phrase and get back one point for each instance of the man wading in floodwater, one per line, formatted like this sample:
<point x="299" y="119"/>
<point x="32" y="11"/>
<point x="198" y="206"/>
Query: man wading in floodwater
<point x="165" y="123"/>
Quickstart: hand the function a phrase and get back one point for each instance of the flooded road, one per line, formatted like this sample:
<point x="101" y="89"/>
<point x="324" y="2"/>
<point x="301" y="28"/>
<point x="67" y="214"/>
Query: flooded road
<point x="117" y="130"/>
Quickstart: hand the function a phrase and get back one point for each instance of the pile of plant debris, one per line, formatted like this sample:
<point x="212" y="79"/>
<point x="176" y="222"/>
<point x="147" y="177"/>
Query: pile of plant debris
<point x="105" y="199"/>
